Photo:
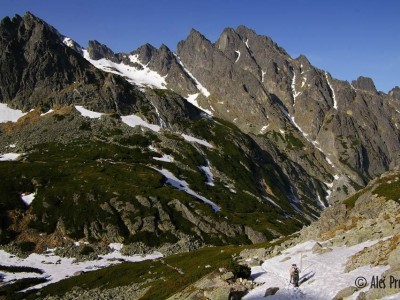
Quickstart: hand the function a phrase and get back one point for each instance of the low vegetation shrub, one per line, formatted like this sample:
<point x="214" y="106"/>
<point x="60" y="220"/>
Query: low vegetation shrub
<point x="240" y="271"/>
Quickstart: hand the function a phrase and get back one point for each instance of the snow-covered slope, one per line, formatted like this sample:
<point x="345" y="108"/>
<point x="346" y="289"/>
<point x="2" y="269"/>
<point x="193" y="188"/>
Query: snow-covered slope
<point x="8" y="114"/>
<point x="56" y="268"/>
<point x="322" y="275"/>
<point x="141" y="77"/>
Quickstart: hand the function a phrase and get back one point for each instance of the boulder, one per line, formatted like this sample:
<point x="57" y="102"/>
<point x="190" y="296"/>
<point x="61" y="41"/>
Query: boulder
<point x="227" y="276"/>
<point x="271" y="291"/>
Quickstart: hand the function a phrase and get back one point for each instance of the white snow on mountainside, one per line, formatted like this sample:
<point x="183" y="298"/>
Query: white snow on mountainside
<point x="88" y="113"/>
<point x="130" y="120"/>
<point x="9" y="156"/>
<point x="143" y="77"/>
<point x="182" y="185"/>
<point x="8" y="114"/>
<point x="199" y="86"/>
<point x="56" y="268"/>
<point x="322" y="276"/>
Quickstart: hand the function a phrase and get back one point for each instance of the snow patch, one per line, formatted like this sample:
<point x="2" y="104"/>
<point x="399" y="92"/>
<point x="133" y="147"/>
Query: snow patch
<point x="238" y="53"/>
<point x="272" y="201"/>
<point x="28" y="198"/>
<point x="285" y="112"/>
<point x="314" y="143"/>
<point x="115" y="246"/>
<point x="57" y="268"/>
<point x="303" y="82"/>
<point x="320" y="202"/>
<point x="199" y="86"/>
<point x="88" y="113"/>
<point x="263" y="129"/>
<point x="182" y="185"/>
<point x="69" y="42"/>
<point x="332" y="90"/>
<point x="152" y="148"/>
<point x="162" y="122"/>
<point x="8" y="114"/>
<point x="192" y="98"/>
<point x="143" y="77"/>
<point x="165" y="158"/>
<point x="9" y="156"/>
<point x="190" y="138"/>
<point x="133" y="120"/>
<point x="50" y="111"/>
<point x="208" y="173"/>
<point x="294" y="92"/>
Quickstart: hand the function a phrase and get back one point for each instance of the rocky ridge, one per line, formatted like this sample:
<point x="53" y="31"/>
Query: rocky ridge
<point x="249" y="80"/>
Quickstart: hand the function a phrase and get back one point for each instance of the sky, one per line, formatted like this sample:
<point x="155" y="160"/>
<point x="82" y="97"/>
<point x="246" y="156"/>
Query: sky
<point x="347" y="38"/>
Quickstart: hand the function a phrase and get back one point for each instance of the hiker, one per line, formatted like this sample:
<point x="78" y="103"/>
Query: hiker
<point x="294" y="275"/>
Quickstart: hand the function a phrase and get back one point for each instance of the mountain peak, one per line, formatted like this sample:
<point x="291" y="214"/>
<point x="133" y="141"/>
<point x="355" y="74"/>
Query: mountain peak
<point x="196" y="35"/>
<point x="395" y="93"/>
<point x="30" y="18"/>
<point x="244" y="30"/>
<point x="303" y="60"/>
<point x="165" y="48"/>
<point x="98" y="51"/>
<point x="364" y="83"/>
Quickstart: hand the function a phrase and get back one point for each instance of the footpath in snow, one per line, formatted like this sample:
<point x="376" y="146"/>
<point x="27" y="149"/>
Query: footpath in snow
<point x="322" y="275"/>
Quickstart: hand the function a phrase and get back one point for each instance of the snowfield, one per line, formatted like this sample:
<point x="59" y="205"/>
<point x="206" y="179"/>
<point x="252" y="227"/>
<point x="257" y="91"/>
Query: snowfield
<point x="9" y="156"/>
<point x="133" y="120"/>
<point x="8" y="114"/>
<point x="28" y="198"/>
<point x="88" y="113"/>
<point x="57" y="268"/>
<point x="208" y="173"/>
<point x="193" y="100"/>
<point x="164" y="158"/>
<point x="143" y="77"/>
<point x="190" y="138"/>
<point x="322" y="275"/>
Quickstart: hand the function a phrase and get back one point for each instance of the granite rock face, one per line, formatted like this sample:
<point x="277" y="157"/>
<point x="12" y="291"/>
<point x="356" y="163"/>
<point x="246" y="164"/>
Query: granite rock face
<point x="258" y="86"/>
<point x="38" y="70"/>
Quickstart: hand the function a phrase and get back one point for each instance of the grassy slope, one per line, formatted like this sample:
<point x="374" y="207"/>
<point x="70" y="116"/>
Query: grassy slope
<point x="73" y="180"/>
<point x="165" y="280"/>
<point x="387" y="187"/>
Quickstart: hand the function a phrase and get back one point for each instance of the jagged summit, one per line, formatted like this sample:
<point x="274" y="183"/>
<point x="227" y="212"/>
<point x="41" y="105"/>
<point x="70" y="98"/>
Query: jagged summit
<point x="194" y="33"/>
<point x="395" y="93"/>
<point x="98" y="51"/>
<point x="364" y="83"/>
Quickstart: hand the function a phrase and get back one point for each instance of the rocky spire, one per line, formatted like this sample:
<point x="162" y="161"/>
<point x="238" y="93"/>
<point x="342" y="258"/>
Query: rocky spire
<point x="364" y="83"/>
